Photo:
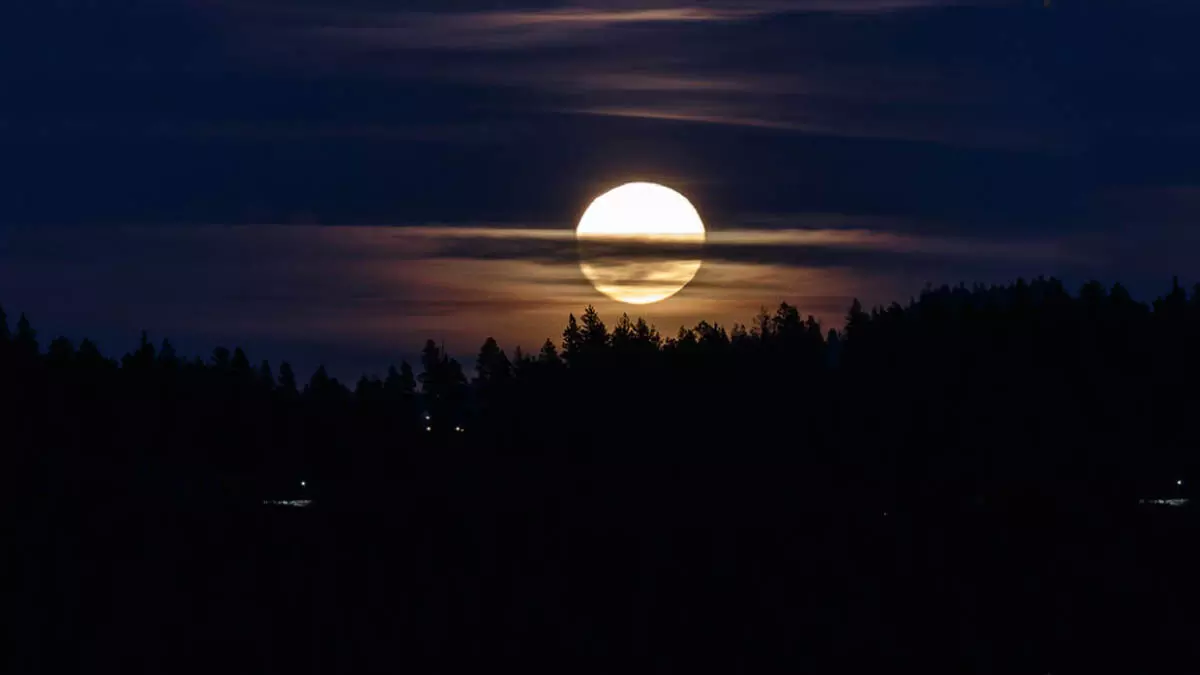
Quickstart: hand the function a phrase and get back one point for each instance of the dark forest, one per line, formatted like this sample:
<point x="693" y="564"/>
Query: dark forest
<point x="845" y="495"/>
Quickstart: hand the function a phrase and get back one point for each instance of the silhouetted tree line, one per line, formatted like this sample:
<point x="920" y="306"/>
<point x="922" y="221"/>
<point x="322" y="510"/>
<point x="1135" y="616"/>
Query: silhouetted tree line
<point x="964" y="391"/>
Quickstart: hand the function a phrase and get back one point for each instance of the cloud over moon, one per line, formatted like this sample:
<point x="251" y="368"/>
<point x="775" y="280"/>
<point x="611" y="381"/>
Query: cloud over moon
<point x="779" y="246"/>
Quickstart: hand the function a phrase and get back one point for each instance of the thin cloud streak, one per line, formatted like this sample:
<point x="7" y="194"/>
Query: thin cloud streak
<point x="500" y="30"/>
<point x="773" y="244"/>
<point x="674" y="114"/>
<point x="749" y="115"/>
<point x="607" y="59"/>
<point x="487" y="29"/>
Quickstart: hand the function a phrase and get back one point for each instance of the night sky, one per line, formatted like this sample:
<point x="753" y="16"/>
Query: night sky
<point x="335" y="181"/>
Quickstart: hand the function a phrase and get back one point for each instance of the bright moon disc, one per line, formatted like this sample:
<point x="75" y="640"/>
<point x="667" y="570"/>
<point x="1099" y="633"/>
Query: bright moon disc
<point x="644" y="216"/>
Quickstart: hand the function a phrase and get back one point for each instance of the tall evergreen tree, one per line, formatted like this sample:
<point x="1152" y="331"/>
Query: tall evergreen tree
<point x="391" y="383"/>
<point x="593" y="331"/>
<point x="26" y="339"/>
<point x="833" y="352"/>
<point x="442" y="382"/>
<point x="431" y="366"/>
<point x="645" y="336"/>
<point x="400" y="389"/>
<point x="407" y="383"/>
<point x="166" y="355"/>
<point x="265" y="376"/>
<point x="492" y="366"/>
<point x="856" y="320"/>
<point x="623" y="333"/>
<point x="142" y="359"/>
<point x="60" y="351"/>
<point x="548" y="356"/>
<point x="287" y="379"/>
<point x="320" y="383"/>
<point x="240" y="364"/>
<point x="572" y="344"/>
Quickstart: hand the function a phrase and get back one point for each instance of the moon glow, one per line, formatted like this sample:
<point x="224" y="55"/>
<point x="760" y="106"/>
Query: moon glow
<point x="627" y="239"/>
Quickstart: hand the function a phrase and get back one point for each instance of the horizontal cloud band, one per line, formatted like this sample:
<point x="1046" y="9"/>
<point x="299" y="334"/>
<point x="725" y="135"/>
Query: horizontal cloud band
<point x="778" y="246"/>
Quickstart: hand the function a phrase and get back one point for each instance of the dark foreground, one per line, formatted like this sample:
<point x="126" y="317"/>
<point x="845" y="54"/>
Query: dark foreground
<point x="709" y="502"/>
<point x="504" y="572"/>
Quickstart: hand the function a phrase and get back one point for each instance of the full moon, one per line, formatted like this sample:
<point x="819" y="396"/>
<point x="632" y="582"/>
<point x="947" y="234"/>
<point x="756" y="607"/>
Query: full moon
<point x="622" y="235"/>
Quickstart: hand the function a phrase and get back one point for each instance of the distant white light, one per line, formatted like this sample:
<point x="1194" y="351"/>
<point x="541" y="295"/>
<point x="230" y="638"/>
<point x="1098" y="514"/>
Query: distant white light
<point x="303" y="484"/>
<point x="1165" y="502"/>
<point x="428" y="428"/>
<point x="427" y="417"/>
<point x="301" y="503"/>
<point x="458" y="428"/>
<point x="1179" y="482"/>
<point x="885" y="513"/>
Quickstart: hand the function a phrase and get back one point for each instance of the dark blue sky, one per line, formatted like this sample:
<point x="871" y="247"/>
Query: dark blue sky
<point x="174" y="165"/>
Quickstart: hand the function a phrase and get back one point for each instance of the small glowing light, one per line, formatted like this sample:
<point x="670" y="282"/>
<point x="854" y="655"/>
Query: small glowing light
<point x="428" y="428"/>
<point x="289" y="502"/>
<point x="427" y="417"/>
<point x="885" y="514"/>
<point x="1179" y="482"/>
<point x="303" y="483"/>
<point x="458" y="428"/>
<point x="1165" y="502"/>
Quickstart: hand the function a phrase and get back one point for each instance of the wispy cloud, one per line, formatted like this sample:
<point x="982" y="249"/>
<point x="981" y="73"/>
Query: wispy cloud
<point x="780" y="246"/>
<point x="502" y="30"/>
<point x="901" y="102"/>
<point x="479" y="29"/>
<point x="706" y="114"/>
<point x="489" y="29"/>
<point x="765" y="64"/>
